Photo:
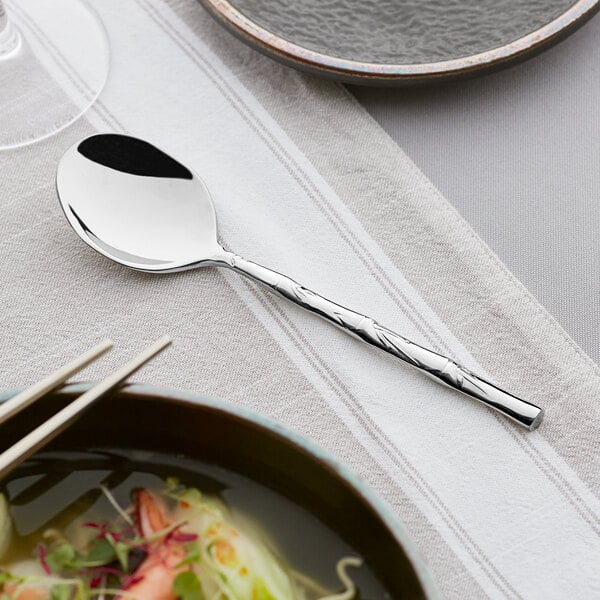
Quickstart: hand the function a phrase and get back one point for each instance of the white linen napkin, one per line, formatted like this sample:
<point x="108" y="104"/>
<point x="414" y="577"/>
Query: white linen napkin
<point x="305" y="183"/>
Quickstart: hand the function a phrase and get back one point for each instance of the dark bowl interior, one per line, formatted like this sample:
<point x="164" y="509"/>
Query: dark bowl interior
<point x="212" y="433"/>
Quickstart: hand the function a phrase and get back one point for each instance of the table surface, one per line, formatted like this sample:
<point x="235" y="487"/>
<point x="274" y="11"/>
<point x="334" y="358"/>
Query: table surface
<point x="516" y="152"/>
<point x="306" y="182"/>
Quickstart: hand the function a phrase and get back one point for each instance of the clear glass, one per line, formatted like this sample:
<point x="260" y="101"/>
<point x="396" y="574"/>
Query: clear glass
<point x="54" y="60"/>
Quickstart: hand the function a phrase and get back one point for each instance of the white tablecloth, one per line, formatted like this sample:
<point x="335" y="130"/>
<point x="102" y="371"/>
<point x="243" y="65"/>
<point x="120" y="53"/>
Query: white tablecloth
<point x="496" y="512"/>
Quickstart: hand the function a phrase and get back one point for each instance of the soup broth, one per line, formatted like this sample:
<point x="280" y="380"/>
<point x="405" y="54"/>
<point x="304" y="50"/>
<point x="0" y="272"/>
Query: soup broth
<point x="61" y="491"/>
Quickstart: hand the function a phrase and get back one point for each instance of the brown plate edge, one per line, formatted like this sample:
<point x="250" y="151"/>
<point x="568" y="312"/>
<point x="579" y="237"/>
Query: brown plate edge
<point x="365" y="73"/>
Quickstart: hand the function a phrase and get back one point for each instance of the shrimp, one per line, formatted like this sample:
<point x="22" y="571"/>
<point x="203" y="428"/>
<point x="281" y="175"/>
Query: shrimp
<point x="154" y="578"/>
<point x="15" y="588"/>
<point x="230" y="563"/>
<point x="26" y="593"/>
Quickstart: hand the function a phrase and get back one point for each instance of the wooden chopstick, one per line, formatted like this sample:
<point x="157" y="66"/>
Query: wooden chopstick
<point x="46" y="432"/>
<point x="23" y="399"/>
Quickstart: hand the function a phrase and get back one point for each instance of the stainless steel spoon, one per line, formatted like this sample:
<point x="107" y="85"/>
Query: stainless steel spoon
<point x="141" y="208"/>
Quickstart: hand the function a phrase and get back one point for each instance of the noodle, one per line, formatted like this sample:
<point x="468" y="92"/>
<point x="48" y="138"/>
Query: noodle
<point x="350" y="592"/>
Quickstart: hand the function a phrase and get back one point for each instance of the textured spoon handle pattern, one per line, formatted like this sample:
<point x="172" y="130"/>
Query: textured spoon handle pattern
<point x="441" y="368"/>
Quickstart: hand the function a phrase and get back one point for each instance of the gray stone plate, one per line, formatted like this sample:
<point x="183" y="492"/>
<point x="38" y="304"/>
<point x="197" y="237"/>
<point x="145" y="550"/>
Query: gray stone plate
<point x="400" y="41"/>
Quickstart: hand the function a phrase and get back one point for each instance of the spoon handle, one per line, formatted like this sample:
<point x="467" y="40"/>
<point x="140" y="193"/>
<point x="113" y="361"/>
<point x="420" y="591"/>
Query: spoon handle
<point x="440" y="368"/>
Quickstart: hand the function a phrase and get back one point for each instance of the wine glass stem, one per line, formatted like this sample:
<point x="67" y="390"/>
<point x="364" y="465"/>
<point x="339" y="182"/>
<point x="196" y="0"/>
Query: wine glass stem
<point x="9" y="37"/>
<point x="3" y="17"/>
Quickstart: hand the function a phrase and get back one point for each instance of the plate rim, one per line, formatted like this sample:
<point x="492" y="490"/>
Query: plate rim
<point x="302" y="442"/>
<point x="355" y="71"/>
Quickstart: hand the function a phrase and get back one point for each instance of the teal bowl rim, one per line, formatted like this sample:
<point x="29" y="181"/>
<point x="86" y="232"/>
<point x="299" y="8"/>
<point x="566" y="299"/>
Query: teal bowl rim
<point x="381" y="507"/>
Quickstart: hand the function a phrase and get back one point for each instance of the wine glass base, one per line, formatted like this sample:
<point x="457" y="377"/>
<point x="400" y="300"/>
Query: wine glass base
<point x="54" y="60"/>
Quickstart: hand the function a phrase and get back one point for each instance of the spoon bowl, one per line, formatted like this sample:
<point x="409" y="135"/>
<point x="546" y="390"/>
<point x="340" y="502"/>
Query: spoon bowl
<point x="143" y="209"/>
<point x="136" y="205"/>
